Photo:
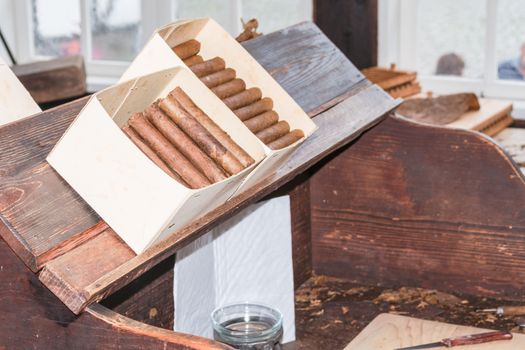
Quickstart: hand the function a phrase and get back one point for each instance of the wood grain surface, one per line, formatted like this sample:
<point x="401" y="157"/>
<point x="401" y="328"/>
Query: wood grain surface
<point x="33" y="318"/>
<point x="513" y="141"/>
<point x="422" y="206"/>
<point x="44" y="217"/>
<point x="388" y="332"/>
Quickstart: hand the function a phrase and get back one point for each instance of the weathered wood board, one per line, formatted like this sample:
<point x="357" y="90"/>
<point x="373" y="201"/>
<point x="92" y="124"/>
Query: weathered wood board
<point x="388" y="332"/>
<point x="513" y="141"/>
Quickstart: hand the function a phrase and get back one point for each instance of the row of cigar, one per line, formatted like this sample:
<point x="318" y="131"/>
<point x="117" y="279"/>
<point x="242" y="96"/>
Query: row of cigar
<point x="254" y="110"/>
<point x="184" y="142"/>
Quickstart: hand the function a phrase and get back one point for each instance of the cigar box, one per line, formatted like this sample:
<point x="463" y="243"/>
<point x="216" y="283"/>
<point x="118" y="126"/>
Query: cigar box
<point x="137" y="199"/>
<point x="216" y="42"/>
<point x="15" y="100"/>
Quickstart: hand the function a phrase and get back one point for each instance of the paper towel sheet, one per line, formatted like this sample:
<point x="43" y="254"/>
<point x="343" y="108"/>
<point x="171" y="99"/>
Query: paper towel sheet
<point x="247" y="258"/>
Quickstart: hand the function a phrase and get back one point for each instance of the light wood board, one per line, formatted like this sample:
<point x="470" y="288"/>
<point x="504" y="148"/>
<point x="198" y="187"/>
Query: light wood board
<point x="513" y="141"/>
<point x="389" y="332"/>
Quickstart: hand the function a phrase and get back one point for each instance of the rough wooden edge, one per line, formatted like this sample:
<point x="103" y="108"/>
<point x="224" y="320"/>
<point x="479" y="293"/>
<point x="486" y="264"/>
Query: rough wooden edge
<point x="122" y="323"/>
<point x="131" y="269"/>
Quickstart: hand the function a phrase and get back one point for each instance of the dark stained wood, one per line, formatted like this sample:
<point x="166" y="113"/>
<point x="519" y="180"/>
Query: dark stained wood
<point x="53" y="80"/>
<point x="42" y="212"/>
<point x="148" y="299"/>
<point x="301" y="233"/>
<point x="32" y="318"/>
<point x="315" y="64"/>
<point x="421" y="206"/>
<point x="352" y="26"/>
<point x="337" y="127"/>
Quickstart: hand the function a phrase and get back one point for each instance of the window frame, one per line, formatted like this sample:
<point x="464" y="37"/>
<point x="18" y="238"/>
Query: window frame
<point x="102" y="73"/>
<point x="397" y="43"/>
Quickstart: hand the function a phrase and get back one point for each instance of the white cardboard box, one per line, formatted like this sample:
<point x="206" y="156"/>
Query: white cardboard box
<point x="215" y="41"/>
<point x="137" y="199"/>
<point x="15" y="100"/>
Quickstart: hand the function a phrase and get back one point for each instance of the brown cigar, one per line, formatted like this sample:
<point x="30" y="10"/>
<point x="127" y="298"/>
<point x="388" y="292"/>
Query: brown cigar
<point x="254" y="109"/>
<point x="218" y="78"/>
<point x="165" y="150"/>
<point x="185" y="101"/>
<point x="262" y="121"/>
<point x="273" y="132"/>
<point x="193" y="60"/>
<point x="207" y="67"/>
<point x="229" y="89"/>
<point x="184" y="144"/>
<point x="243" y="98"/>
<point x="133" y="136"/>
<point x="201" y="136"/>
<point x="286" y="140"/>
<point x="187" y="49"/>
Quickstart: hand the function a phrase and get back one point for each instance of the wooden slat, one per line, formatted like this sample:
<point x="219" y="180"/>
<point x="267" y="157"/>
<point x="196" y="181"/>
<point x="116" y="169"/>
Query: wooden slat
<point x="337" y="127"/>
<point x="44" y="217"/>
<point x="422" y="206"/>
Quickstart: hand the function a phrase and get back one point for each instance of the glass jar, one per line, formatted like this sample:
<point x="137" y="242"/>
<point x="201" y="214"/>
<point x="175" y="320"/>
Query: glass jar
<point x="248" y="326"/>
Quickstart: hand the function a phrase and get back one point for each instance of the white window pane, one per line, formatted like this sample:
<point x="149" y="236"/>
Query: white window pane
<point x="219" y="10"/>
<point x="115" y="28"/>
<point x="56" y="27"/>
<point x="510" y="46"/>
<point x="451" y="35"/>
<point x="273" y="15"/>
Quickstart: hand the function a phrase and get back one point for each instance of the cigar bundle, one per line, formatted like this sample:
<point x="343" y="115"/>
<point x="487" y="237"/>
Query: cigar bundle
<point x="183" y="141"/>
<point x="248" y="104"/>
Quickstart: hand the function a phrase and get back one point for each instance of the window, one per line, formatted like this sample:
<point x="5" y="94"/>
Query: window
<point x="109" y="33"/>
<point x="457" y="45"/>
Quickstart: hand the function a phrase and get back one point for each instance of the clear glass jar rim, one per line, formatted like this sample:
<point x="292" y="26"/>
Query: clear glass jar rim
<point x="249" y="336"/>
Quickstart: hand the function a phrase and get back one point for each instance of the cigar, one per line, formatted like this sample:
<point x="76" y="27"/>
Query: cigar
<point x="137" y="140"/>
<point x="201" y="136"/>
<point x="262" y="121"/>
<point x="229" y="89"/>
<point x="286" y="140"/>
<point x="167" y="152"/>
<point x="273" y="132"/>
<point x="207" y="67"/>
<point x="254" y="109"/>
<point x="187" y="104"/>
<point x="218" y="78"/>
<point x="193" y="60"/>
<point x="187" y="49"/>
<point x="243" y="98"/>
<point x="184" y="144"/>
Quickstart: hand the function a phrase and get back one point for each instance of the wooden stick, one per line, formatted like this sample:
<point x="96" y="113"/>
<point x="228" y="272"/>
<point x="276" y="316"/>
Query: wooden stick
<point x="229" y="89"/>
<point x="258" y="107"/>
<point x="184" y="144"/>
<point x="165" y="150"/>
<point x="201" y="136"/>
<point x="185" y="101"/>
<point x="187" y="49"/>
<point x="137" y="140"/>
<point x="262" y="121"/>
<point x="193" y="60"/>
<point x="286" y="140"/>
<point x="218" y="78"/>
<point x="208" y="67"/>
<point x="243" y="98"/>
<point x="273" y="132"/>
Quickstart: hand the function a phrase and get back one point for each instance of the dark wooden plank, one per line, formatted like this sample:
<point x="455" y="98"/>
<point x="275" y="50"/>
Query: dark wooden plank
<point x="353" y="29"/>
<point x="45" y="216"/>
<point x="32" y="318"/>
<point x="301" y="56"/>
<point x="337" y="127"/>
<point x="36" y="204"/>
<point x="53" y="80"/>
<point x="422" y="206"/>
<point x="148" y="299"/>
